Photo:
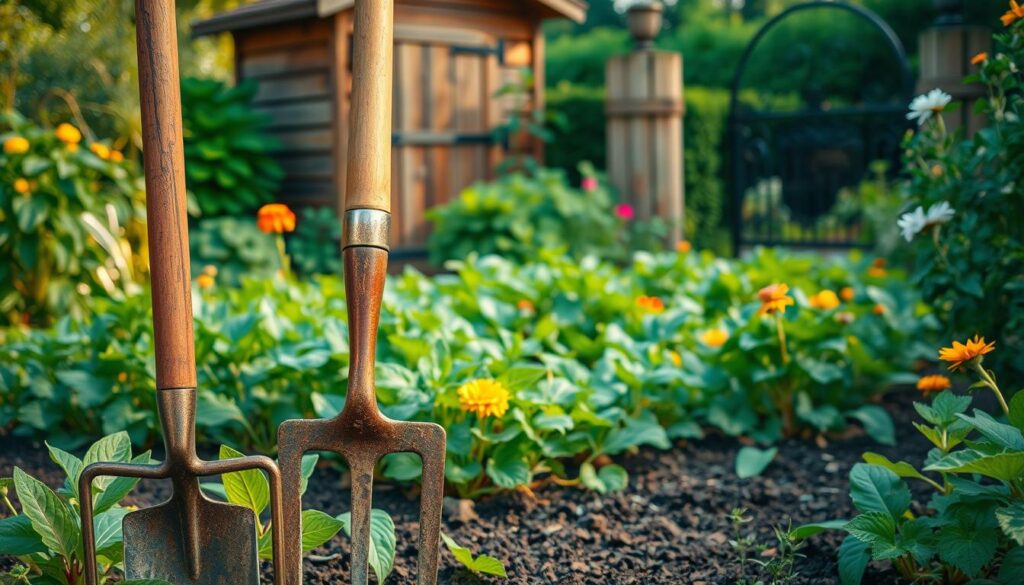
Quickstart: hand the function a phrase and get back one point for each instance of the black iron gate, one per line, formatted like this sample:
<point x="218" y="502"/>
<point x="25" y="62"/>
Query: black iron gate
<point x="793" y="168"/>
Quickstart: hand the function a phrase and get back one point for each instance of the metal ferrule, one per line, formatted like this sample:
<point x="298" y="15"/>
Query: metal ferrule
<point x="367" y="227"/>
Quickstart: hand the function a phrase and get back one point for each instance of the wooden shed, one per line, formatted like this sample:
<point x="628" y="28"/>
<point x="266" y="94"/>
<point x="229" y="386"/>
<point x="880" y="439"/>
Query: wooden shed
<point x="451" y="57"/>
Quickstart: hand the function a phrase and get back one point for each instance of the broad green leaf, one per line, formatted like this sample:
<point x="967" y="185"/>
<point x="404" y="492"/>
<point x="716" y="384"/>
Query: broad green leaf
<point x="854" y="556"/>
<point x="382" y="541"/>
<point x="114" y="448"/>
<point x="1013" y="566"/>
<point x="17" y="537"/>
<point x="878" y="529"/>
<point x="248" y="488"/>
<point x="751" y="461"/>
<point x="947" y="405"/>
<point x="1017" y="410"/>
<point x="71" y="465"/>
<point x="481" y="564"/>
<point x="877" y="423"/>
<point x="107" y="528"/>
<point x="402" y="466"/>
<point x="809" y="530"/>
<point x="967" y="549"/>
<point x="900" y="468"/>
<point x="995" y="431"/>
<point x="51" y="519"/>
<point x="1004" y="466"/>
<point x="308" y="467"/>
<point x="644" y="430"/>
<point x="521" y="378"/>
<point x="1011" y="520"/>
<point x="214" y="410"/>
<point x="876" y="489"/>
<point x="608" y="479"/>
<point x="120" y="487"/>
<point x="318" y="528"/>
<point x="508" y="472"/>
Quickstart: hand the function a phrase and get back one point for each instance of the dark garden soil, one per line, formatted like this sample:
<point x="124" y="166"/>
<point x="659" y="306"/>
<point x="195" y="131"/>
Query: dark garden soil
<point x="670" y="527"/>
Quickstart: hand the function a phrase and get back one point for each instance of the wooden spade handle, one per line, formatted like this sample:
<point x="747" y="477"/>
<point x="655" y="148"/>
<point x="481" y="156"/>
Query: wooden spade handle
<point x="369" y="164"/>
<point x="166" y="212"/>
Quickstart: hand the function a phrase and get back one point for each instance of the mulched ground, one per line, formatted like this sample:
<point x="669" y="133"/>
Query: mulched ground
<point x="670" y="527"/>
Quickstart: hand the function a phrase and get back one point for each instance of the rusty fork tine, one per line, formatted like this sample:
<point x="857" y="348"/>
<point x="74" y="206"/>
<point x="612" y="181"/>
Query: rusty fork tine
<point x="362" y="504"/>
<point x="431" y="501"/>
<point x="289" y="459"/>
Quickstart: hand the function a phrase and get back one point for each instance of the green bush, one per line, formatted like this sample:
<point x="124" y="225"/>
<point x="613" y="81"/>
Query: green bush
<point x="594" y="360"/>
<point x="69" y="220"/>
<point x="315" y="246"/>
<point x="233" y="249"/>
<point x="520" y="215"/>
<point x="704" y="126"/>
<point x="972" y="266"/>
<point x="228" y="162"/>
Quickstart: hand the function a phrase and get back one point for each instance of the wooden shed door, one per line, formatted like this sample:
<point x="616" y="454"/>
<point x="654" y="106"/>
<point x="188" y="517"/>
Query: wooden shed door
<point x="444" y="113"/>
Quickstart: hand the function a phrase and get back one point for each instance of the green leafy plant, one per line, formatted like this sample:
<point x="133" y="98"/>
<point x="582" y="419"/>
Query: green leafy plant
<point x="69" y="222"/>
<point x="972" y="528"/>
<point x="229" y="168"/>
<point x="233" y="248"/>
<point x="315" y="244"/>
<point x="970" y="265"/>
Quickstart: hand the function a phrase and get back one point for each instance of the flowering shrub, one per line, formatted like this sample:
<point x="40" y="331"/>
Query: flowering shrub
<point x="535" y="370"/>
<point x="972" y="527"/>
<point x="965" y="204"/>
<point x="69" y="221"/>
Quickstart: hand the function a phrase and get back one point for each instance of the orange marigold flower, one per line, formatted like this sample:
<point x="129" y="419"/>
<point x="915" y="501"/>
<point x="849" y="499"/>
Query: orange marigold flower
<point x="847" y="293"/>
<point x="714" y="337"/>
<point x="484" y="397"/>
<point x="1015" y="13"/>
<point x="877" y="272"/>
<point x="68" y="134"/>
<point x="122" y="377"/>
<point x="650" y="304"/>
<point x="879" y="310"/>
<point x="205" y="281"/>
<point x="774" y="297"/>
<point x="826" y="300"/>
<point x="116" y="156"/>
<point x="683" y="246"/>
<point x="100" y="150"/>
<point x="929" y="384"/>
<point x="16" y="145"/>
<point x="22" y="186"/>
<point x="276" y="218"/>
<point x="979" y="58"/>
<point x="961" y="353"/>
<point x="526" y="306"/>
<point x="72" y="147"/>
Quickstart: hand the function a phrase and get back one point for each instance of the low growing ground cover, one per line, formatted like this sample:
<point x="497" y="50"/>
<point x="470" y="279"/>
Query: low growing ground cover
<point x="535" y="370"/>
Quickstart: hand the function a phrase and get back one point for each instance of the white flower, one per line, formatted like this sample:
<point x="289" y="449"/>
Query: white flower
<point x="917" y="221"/>
<point x="911" y="223"/>
<point x="925" y="106"/>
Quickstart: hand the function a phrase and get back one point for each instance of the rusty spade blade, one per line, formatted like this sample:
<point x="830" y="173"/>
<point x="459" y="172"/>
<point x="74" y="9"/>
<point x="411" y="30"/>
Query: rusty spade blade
<point x="360" y="433"/>
<point x="189" y="539"/>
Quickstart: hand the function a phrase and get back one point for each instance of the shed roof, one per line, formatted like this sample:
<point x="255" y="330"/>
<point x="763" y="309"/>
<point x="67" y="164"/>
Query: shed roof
<point x="269" y="12"/>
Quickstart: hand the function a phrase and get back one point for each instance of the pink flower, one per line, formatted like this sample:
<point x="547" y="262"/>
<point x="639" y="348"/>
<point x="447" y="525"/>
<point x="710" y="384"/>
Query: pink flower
<point x="624" y="211"/>
<point x="589" y="184"/>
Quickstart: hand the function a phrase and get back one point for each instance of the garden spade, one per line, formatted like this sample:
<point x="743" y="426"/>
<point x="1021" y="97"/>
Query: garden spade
<point x="360" y="433"/>
<point x="189" y="539"/>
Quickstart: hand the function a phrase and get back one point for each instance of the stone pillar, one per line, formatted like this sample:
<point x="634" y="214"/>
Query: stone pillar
<point x="645" y="124"/>
<point x="945" y="51"/>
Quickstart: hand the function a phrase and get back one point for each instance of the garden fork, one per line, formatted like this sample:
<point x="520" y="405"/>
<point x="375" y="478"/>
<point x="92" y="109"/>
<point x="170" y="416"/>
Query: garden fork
<point x="189" y="539"/>
<point x="360" y="433"/>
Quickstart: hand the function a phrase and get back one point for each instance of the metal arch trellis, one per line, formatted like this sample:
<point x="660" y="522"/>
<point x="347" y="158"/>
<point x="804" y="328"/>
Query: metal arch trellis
<point x="789" y="166"/>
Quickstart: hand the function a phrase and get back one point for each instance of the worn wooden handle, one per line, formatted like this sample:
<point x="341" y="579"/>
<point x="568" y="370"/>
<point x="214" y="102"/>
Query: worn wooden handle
<point x="369" y="164"/>
<point x="165" y="193"/>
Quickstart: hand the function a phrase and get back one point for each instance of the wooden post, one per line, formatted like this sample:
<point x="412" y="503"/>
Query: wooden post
<point x="945" y="51"/>
<point x="645" y="126"/>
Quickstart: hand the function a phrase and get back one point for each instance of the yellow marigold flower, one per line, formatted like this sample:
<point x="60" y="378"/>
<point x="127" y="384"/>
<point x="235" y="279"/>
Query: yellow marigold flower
<point x="826" y="300"/>
<point x="774" y="297"/>
<point x="677" y="359"/>
<point x="650" y="304"/>
<point x="484" y="398"/>
<point x="100" y="150"/>
<point x="525" y="306"/>
<point x="116" y="156"/>
<point x="847" y="293"/>
<point x="68" y="134"/>
<point x="276" y="218"/>
<point x="714" y="337"/>
<point x="16" y="145"/>
<point x="683" y="246"/>
<point x="961" y="353"/>
<point x="205" y="281"/>
<point x="22" y="186"/>
<point x="72" y="147"/>
<point x="979" y="58"/>
<point x="929" y="384"/>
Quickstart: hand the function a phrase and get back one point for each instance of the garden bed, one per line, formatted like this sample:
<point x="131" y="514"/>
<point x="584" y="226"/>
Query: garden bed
<point x="671" y="525"/>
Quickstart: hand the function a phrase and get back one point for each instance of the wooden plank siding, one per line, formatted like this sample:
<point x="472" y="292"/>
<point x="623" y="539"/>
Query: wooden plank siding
<point x="293" y="65"/>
